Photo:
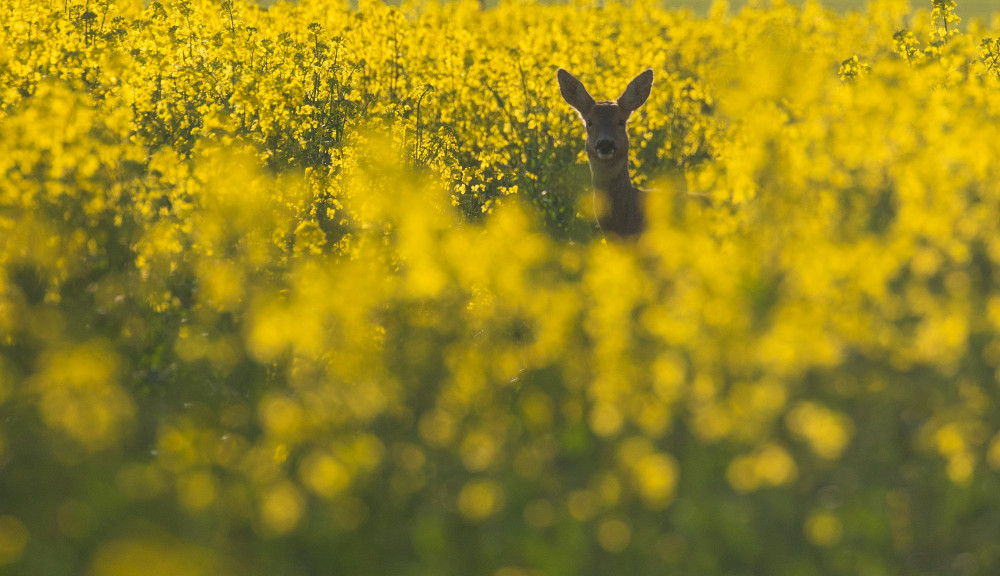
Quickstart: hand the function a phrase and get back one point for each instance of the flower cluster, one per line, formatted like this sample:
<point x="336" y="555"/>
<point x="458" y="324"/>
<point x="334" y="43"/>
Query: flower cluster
<point x="317" y="289"/>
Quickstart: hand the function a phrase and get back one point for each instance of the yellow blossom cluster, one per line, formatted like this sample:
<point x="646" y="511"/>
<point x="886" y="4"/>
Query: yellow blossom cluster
<point x="316" y="288"/>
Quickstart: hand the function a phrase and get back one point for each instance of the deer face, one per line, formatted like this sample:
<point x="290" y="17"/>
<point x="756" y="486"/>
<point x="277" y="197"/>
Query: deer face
<point x="607" y="140"/>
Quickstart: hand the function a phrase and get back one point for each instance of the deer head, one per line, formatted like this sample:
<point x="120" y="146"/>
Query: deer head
<point x="607" y="139"/>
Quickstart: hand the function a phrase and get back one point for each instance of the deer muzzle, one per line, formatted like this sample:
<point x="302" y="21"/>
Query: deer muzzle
<point x="605" y="149"/>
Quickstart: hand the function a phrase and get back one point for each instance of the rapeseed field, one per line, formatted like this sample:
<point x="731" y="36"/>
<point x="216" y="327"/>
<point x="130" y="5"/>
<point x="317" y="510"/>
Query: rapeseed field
<point x="317" y="289"/>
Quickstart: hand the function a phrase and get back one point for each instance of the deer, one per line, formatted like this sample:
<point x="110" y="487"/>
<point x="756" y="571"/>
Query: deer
<point x="618" y="205"/>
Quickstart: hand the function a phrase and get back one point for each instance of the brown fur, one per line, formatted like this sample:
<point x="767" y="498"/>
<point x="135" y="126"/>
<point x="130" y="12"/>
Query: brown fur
<point x="618" y="205"/>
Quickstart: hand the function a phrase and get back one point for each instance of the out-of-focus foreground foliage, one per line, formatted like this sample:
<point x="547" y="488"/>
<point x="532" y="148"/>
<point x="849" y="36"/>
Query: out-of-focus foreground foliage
<point x="269" y="303"/>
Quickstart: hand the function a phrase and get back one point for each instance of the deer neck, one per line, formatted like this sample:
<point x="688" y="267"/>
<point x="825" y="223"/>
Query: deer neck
<point x="612" y="180"/>
<point x="622" y="213"/>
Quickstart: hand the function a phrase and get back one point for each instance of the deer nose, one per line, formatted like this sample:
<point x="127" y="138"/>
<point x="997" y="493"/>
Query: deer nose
<point x="605" y="148"/>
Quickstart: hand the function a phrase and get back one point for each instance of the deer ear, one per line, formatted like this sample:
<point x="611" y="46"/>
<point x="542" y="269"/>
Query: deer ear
<point x="637" y="91"/>
<point x="574" y="92"/>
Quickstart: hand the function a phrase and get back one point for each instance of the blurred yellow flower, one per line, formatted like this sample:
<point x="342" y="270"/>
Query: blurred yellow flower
<point x="769" y="466"/>
<point x="14" y="537"/>
<point x="480" y="499"/>
<point x="79" y="395"/>
<point x="655" y="477"/>
<point x="823" y="528"/>
<point x="281" y="509"/>
<point x="827" y="432"/>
